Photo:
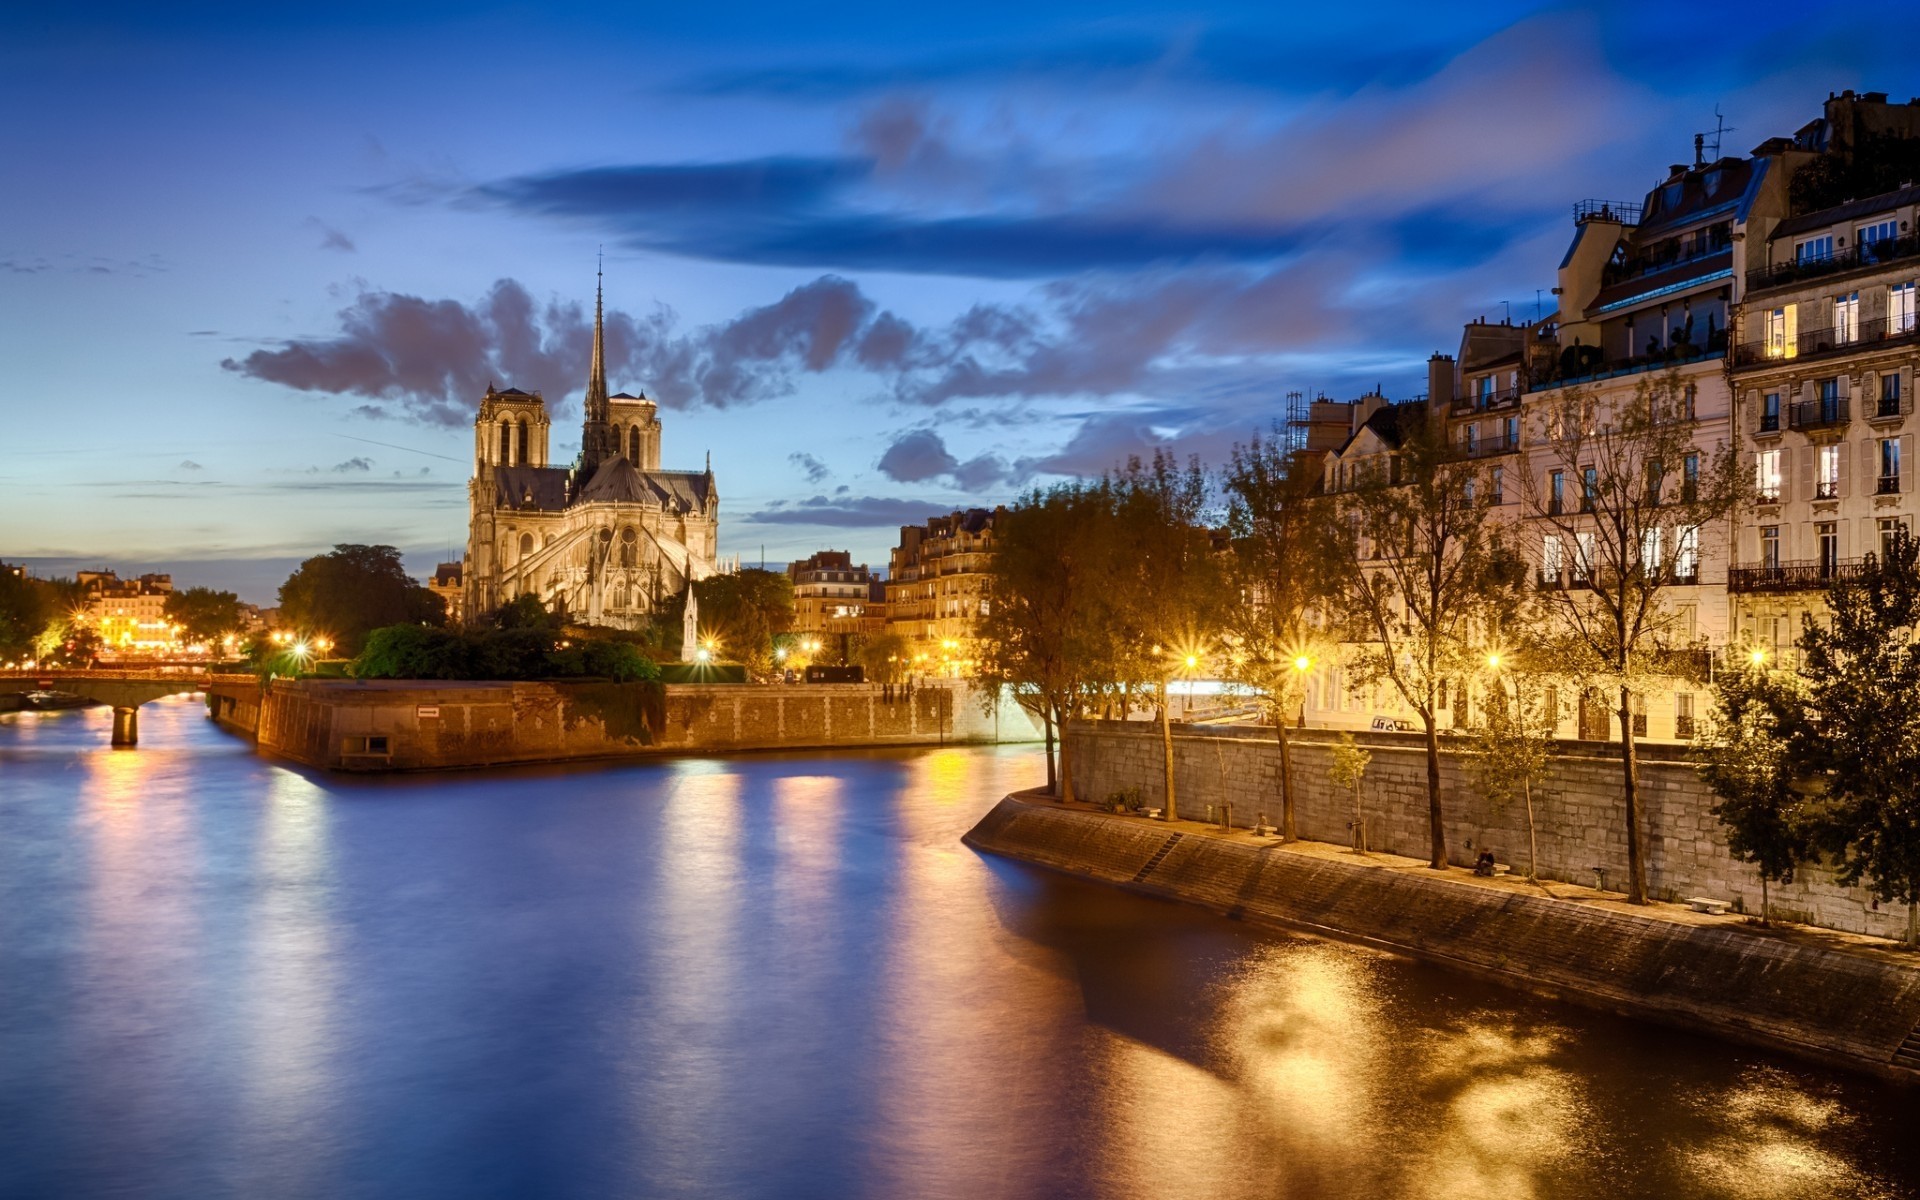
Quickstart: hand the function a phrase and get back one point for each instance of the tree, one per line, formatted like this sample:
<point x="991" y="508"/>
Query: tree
<point x="1644" y="495"/>
<point x="27" y="608"/>
<point x="1512" y="747"/>
<point x="353" y="590"/>
<point x="883" y="657"/>
<point x="1861" y="738"/>
<point x="1747" y="766"/>
<point x="1281" y="558"/>
<point x="1422" y="575"/>
<point x="1043" y="633"/>
<point x="744" y="610"/>
<point x="203" y="614"/>
<point x="1350" y="761"/>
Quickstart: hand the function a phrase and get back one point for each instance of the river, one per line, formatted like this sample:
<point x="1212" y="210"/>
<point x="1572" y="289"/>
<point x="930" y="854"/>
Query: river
<point x="770" y="976"/>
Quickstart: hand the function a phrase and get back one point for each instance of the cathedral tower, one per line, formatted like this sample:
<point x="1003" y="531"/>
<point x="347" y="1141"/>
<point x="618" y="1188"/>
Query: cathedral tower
<point x="597" y="439"/>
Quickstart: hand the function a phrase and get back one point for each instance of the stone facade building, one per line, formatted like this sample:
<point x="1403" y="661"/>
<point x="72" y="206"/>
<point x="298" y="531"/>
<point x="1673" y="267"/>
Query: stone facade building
<point x="131" y="614"/>
<point x="605" y="541"/>
<point x="833" y="600"/>
<point x="937" y="587"/>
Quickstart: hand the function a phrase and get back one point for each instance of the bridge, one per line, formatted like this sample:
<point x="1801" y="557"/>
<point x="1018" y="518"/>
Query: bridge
<point x="123" y="690"/>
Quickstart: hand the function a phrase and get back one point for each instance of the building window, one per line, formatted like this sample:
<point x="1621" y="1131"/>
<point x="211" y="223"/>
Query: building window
<point x="1868" y="237"/>
<point x="1497" y="493"/>
<point x="1650" y="551"/>
<point x="1550" y="559"/>
<point x="1589" y="488"/>
<point x="1826" y="484"/>
<point x="1889" y="465"/>
<point x="1783" y="339"/>
<point x="506" y="445"/>
<point x="1686" y="554"/>
<point x="1890" y="528"/>
<point x="1813" y="249"/>
<point x="1582" y="557"/>
<point x="1637" y="705"/>
<point x="1770" y="412"/>
<point x="1770" y="546"/>
<point x="1900" y="308"/>
<point x="1683" y="716"/>
<point x="1846" y="318"/>
<point x="1510" y="433"/>
<point x="1830" y="398"/>
<point x="1472" y="438"/>
<point x="1828" y="534"/>
<point x="1690" y="479"/>
<point x="1556" y="493"/>
<point x="1766" y="475"/>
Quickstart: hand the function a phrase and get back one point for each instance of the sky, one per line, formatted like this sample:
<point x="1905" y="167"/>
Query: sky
<point x="258" y="263"/>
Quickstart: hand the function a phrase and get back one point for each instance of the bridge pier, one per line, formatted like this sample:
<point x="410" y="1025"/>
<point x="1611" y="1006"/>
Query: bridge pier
<point x="126" y="726"/>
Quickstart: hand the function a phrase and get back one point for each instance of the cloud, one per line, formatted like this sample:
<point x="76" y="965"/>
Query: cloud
<point x="331" y="238"/>
<point x="919" y="455"/>
<point x="188" y="464"/>
<point x="351" y="465"/>
<point x="815" y="470"/>
<point x="849" y="512"/>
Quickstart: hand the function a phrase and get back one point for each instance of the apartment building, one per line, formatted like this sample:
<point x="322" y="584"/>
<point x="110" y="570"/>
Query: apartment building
<point x="833" y="600"/>
<point x="937" y="586"/>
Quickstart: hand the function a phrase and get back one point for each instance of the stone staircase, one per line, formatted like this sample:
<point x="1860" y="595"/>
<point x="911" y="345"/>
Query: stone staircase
<point x="1908" y="1053"/>
<point x="1160" y="856"/>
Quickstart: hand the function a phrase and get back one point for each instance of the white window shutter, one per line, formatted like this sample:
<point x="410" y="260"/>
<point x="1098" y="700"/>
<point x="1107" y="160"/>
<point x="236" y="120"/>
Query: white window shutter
<point x="1789" y="456"/>
<point x="1840" y="473"/>
<point x="1906" y="390"/>
<point x="1906" y="464"/>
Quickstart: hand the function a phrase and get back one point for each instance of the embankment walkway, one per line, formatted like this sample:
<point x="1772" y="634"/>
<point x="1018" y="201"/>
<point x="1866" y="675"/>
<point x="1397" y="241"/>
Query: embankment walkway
<point x="1840" y="998"/>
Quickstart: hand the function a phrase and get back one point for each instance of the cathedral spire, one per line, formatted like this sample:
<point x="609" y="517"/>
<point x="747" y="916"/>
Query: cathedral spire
<point x="598" y="440"/>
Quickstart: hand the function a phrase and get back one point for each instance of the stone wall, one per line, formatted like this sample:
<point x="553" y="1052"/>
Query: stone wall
<point x="1578" y="815"/>
<point x="389" y="725"/>
<point x="1842" y="1004"/>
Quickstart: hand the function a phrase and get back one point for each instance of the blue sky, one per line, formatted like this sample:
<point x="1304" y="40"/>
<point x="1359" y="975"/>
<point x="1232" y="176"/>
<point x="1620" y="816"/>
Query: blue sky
<point x="258" y="262"/>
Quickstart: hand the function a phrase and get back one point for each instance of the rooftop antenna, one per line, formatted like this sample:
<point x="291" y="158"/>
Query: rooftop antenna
<point x="1536" y="306"/>
<point x="1508" y="306"/>
<point x="1701" y="141"/>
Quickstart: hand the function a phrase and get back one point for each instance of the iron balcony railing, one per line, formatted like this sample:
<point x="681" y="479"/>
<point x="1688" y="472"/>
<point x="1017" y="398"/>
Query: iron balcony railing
<point x="1813" y="343"/>
<point x="1691" y="250"/>
<point x="1487" y="447"/>
<point x="1627" y="212"/>
<point x="1818" y="414"/>
<point x="1804" y="575"/>
<point x="1488" y="401"/>
<point x="1770" y="422"/>
<point x="1889" y="485"/>
<point x="1853" y="258"/>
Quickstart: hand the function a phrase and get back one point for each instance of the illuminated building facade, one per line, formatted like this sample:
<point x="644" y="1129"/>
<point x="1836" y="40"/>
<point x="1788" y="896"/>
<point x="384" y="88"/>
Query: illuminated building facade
<point x="129" y="614"/>
<point x="605" y="541"/>
<point x="937" y="587"/>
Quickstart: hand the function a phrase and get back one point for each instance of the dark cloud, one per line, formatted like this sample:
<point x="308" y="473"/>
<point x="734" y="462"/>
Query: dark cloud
<point x="919" y="455"/>
<point x="849" y="512"/>
<point x="815" y="470"/>
<point x="352" y="465"/>
<point x="430" y="360"/>
<point x="188" y="464"/>
<point x="331" y="238"/>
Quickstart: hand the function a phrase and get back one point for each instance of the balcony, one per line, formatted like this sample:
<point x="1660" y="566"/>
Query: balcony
<point x="1492" y="401"/>
<point x="1824" y="413"/>
<point x="1853" y="258"/>
<point x="1586" y="365"/>
<point x="1769" y="422"/>
<point x="1815" y="343"/>
<point x="1827" y="490"/>
<point x="1687" y="250"/>
<point x="1889" y="486"/>
<point x="1808" y="575"/>
<point x="1488" y="447"/>
<point x="1626" y="212"/>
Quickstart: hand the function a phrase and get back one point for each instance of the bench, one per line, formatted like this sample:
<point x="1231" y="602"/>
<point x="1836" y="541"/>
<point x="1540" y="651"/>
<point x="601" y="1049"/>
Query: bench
<point x="1706" y="904"/>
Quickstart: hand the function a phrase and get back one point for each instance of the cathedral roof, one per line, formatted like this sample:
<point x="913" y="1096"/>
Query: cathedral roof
<point x="543" y="488"/>
<point x="618" y="482"/>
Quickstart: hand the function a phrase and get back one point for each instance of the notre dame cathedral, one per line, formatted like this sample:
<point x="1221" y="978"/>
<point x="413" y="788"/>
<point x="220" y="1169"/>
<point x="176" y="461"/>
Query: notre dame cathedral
<point x="605" y="541"/>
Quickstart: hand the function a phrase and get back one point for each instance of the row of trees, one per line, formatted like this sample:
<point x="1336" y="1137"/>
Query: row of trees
<point x="1410" y="574"/>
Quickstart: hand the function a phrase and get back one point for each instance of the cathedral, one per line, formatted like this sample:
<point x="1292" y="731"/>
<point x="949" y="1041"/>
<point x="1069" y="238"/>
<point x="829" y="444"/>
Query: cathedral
<point x="605" y="541"/>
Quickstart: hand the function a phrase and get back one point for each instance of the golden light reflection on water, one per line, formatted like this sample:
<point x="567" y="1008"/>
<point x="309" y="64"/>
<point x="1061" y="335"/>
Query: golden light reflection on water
<point x="287" y="1010"/>
<point x="1772" y="1138"/>
<point x="1506" y="1119"/>
<point x="970" y="1020"/>
<point x="808" y="829"/>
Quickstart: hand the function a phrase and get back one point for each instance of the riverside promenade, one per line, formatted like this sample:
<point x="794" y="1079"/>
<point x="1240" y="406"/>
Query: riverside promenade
<point x="1840" y="998"/>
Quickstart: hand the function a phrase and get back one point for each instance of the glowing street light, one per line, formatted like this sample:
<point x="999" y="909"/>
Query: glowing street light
<point x="1493" y="660"/>
<point x="1757" y="656"/>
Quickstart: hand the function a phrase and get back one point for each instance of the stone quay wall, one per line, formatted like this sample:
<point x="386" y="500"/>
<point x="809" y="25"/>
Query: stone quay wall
<point x="392" y="725"/>
<point x="1803" y="992"/>
<point x="1579" y="813"/>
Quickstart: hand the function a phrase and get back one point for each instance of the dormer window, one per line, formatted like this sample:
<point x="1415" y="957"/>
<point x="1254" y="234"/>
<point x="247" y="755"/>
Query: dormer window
<point x="1813" y="249"/>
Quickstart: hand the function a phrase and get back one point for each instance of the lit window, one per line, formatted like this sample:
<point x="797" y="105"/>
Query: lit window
<point x="1769" y="546"/>
<point x="1846" y="318"/>
<point x="1686" y="552"/>
<point x="1827" y="471"/>
<point x="1781" y="332"/>
<point x="1766" y="475"/>
<point x="1582" y="556"/>
<point x="1900" y="308"/>
<point x="1550" y="559"/>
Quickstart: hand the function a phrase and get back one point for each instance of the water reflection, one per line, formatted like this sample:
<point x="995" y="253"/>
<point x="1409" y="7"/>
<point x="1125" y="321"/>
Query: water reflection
<point x="770" y="977"/>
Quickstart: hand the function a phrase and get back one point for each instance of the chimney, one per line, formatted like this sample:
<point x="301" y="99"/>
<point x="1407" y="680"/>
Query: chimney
<point x="1699" y="150"/>
<point x="1439" y="381"/>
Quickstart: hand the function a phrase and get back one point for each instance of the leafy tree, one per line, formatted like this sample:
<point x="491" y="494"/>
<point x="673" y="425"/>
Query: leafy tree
<point x="1862" y="736"/>
<point x="1748" y="767"/>
<point x="27" y="608"/>
<point x="1043" y="634"/>
<point x="1639" y="499"/>
<point x="883" y="657"/>
<point x="353" y="590"/>
<point x="203" y="614"/>
<point x="1281" y="576"/>
<point x="745" y="609"/>
<point x="1512" y="746"/>
<point x="525" y="611"/>
<point x="1422" y="575"/>
<point x="1350" y="761"/>
<point x="412" y="652"/>
<point x="425" y="652"/>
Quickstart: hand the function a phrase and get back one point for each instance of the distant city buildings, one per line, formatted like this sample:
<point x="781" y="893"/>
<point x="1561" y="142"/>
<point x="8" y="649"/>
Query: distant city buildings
<point x="834" y="601"/>
<point x="937" y="587"/>
<point x="131" y="614"/>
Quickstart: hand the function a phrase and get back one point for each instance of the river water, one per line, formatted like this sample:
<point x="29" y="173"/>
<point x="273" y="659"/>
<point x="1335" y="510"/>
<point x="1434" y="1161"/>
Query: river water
<point x="769" y="976"/>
